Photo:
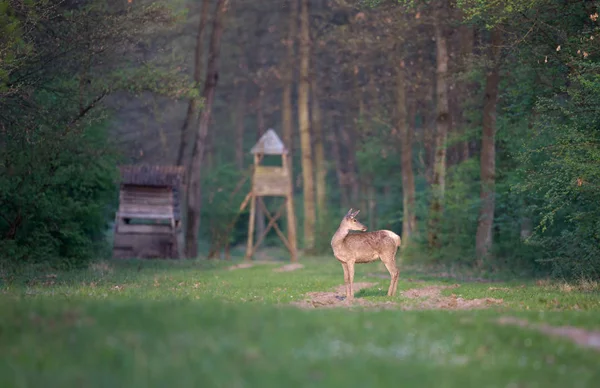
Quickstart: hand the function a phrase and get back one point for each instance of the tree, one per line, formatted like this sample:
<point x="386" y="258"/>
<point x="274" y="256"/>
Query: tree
<point x="304" y="123"/>
<point x="319" y="148"/>
<point x="288" y="78"/>
<point x="194" y="103"/>
<point x="409" y="220"/>
<point x="194" y="196"/>
<point x="488" y="150"/>
<point x="442" y="122"/>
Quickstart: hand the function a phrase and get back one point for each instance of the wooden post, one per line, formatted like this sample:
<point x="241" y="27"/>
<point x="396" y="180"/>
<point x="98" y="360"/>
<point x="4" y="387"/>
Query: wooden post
<point x="252" y="221"/>
<point x="290" y="216"/>
<point x="250" y="247"/>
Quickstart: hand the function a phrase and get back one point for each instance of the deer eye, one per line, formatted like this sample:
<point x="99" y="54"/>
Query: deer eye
<point x="353" y="220"/>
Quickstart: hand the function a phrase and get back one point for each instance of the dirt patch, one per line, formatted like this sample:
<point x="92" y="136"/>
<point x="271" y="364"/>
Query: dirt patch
<point x="433" y="299"/>
<point x="426" y="292"/>
<point x="289" y="267"/>
<point x="430" y="298"/>
<point x="582" y="337"/>
<point x="241" y="266"/>
<point x="249" y="264"/>
<point x="337" y="298"/>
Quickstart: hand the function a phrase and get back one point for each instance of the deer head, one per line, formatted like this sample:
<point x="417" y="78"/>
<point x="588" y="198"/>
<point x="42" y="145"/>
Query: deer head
<point x="351" y="223"/>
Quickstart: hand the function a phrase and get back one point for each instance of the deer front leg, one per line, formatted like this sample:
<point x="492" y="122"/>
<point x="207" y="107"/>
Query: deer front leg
<point x="346" y="279"/>
<point x="350" y="289"/>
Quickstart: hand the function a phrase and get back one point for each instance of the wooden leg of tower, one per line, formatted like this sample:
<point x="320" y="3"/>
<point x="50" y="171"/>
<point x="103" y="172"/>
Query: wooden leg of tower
<point x="291" y="227"/>
<point x="251" y="222"/>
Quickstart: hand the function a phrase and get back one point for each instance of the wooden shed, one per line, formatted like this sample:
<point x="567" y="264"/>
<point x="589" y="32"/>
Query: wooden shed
<point x="148" y="221"/>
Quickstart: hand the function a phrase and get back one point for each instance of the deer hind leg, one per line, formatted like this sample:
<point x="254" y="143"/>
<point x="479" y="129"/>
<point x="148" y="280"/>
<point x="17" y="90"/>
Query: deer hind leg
<point x="346" y="279"/>
<point x="390" y="264"/>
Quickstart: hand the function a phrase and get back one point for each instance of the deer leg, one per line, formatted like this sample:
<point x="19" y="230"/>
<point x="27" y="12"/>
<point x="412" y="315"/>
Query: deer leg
<point x="346" y="278"/>
<point x="350" y="290"/>
<point x="394" y="273"/>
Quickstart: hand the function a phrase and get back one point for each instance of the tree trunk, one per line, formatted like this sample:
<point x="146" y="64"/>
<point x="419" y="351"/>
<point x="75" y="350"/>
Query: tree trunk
<point x="304" y="123"/>
<point x="240" y="115"/>
<point x="348" y="136"/>
<point x="192" y="110"/>
<point x="488" y="152"/>
<point x="442" y="124"/>
<point x="321" y="164"/>
<point x="260" y="122"/>
<point x="194" y="196"/>
<point x="406" y="138"/>
<point x="339" y="169"/>
<point x="466" y="48"/>
<point x="288" y="80"/>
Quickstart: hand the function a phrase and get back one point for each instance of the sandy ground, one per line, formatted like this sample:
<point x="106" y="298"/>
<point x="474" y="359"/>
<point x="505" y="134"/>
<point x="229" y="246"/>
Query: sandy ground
<point x="582" y="337"/>
<point x="431" y="298"/>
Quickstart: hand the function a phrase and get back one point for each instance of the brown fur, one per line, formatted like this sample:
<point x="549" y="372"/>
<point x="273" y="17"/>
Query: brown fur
<point x="353" y="248"/>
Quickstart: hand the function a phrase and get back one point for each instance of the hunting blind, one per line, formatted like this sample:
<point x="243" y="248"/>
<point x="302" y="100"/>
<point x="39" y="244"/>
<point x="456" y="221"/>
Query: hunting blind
<point x="273" y="181"/>
<point x="149" y="215"/>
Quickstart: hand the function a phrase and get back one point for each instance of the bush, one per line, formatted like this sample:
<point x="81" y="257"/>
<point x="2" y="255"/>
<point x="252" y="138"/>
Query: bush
<point x="57" y="195"/>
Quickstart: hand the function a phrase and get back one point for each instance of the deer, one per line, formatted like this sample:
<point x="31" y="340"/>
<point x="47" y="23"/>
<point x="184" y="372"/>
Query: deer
<point x="358" y="248"/>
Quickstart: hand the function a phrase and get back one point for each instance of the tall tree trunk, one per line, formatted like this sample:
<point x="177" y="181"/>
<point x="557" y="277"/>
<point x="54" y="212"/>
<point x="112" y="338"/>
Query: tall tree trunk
<point x="488" y="152"/>
<point x="194" y="196"/>
<point x="240" y="115"/>
<point x="288" y="80"/>
<point x="406" y="138"/>
<point x="349" y="134"/>
<point x="260" y="122"/>
<point x="192" y="110"/>
<point x="304" y="123"/>
<point x="334" y="139"/>
<point x="320" y="163"/>
<point x="467" y="41"/>
<point x="442" y="124"/>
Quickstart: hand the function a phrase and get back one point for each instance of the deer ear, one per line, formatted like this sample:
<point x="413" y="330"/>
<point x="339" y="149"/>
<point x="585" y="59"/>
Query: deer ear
<point x="349" y="214"/>
<point x="355" y="213"/>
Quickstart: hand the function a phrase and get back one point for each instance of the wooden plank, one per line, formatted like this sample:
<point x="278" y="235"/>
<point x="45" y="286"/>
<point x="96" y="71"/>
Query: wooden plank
<point x="145" y="228"/>
<point x="160" y="216"/>
<point x="150" y="245"/>
<point x="146" y="209"/>
<point x="270" y="180"/>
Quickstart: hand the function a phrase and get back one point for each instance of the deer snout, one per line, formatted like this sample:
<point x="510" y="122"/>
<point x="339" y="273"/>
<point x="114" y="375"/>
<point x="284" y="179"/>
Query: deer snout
<point x="364" y="229"/>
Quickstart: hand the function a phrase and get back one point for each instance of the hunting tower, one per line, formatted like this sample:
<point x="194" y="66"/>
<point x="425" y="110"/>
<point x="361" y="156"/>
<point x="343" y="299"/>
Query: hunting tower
<point x="274" y="181"/>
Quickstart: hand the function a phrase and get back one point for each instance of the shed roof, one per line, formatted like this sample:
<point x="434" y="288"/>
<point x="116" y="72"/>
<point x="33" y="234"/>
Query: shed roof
<point x="269" y="144"/>
<point x="147" y="175"/>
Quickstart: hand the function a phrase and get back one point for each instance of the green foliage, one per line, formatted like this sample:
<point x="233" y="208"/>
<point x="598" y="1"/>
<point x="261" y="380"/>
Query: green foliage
<point x="561" y="168"/>
<point x="58" y="62"/>
<point x="56" y="195"/>
<point x="221" y="200"/>
<point x="494" y="12"/>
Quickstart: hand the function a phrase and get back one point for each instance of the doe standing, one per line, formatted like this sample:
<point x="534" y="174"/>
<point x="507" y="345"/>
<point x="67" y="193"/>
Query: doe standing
<point x="352" y="248"/>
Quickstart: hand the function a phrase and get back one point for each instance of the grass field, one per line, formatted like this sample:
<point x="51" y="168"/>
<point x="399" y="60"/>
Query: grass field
<point x="200" y="324"/>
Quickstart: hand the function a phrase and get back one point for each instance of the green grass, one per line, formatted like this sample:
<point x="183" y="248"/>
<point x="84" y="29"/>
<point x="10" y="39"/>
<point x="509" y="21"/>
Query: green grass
<point x="197" y="324"/>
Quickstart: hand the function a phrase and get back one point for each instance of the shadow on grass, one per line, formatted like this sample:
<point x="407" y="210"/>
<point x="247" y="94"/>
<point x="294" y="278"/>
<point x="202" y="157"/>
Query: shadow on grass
<point x="369" y="292"/>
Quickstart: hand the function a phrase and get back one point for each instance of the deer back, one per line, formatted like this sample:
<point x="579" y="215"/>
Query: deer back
<point x="369" y="245"/>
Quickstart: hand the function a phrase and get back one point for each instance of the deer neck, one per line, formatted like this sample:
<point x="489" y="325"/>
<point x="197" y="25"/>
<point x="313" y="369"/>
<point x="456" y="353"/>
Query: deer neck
<point x="338" y="237"/>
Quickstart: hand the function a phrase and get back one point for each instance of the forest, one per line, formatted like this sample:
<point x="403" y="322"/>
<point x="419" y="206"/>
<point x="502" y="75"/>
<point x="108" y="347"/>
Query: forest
<point x="468" y="127"/>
